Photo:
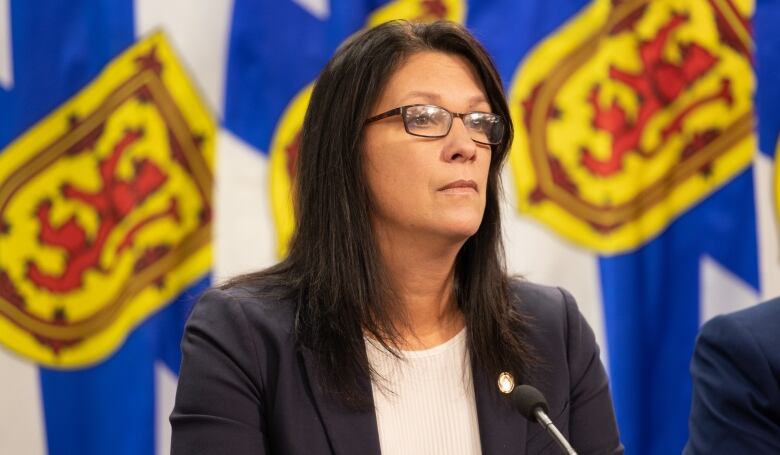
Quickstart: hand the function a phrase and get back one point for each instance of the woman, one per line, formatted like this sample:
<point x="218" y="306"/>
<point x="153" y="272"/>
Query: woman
<point x="387" y="326"/>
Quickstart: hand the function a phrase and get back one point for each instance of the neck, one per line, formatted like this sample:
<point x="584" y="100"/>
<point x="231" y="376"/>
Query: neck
<point x="422" y="273"/>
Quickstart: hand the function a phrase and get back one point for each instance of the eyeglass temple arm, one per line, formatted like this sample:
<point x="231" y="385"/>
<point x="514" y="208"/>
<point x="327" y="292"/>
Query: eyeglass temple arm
<point x="389" y="113"/>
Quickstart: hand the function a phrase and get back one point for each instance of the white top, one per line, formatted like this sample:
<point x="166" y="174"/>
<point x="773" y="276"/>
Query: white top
<point x="426" y="404"/>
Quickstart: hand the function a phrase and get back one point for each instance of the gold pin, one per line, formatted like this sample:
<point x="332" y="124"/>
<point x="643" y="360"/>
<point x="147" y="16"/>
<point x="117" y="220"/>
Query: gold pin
<point x="506" y="383"/>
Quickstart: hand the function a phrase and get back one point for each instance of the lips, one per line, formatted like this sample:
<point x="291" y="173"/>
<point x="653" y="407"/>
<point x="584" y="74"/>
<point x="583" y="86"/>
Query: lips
<point x="460" y="185"/>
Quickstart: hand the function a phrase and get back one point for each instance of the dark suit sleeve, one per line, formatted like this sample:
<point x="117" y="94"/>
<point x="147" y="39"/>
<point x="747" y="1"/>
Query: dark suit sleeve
<point x="733" y="409"/>
<point x="218" y="405"/>
<point x="592" y="425"/>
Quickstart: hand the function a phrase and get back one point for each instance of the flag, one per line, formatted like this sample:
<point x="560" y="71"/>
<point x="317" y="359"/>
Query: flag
<point x="642" y="178"/>
<point x="105" y="238"/>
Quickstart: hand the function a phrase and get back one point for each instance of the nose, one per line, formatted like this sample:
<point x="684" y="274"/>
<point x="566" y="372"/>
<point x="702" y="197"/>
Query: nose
<point x="460" y="147"/>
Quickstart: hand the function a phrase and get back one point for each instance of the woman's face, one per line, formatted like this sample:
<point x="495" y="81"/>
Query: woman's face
<point x="428" y="186"/>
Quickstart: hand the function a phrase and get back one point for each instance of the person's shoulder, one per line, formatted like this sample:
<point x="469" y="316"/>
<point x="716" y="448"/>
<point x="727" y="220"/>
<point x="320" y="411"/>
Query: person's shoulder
<point x="544" y="306"/>
<point x="752" y="317"/>
<point x="734" y="370"/>
<point x="569" y="372"/>
<point x="261" y="305"/>
<point x="554" y="327"/>
<point x="756" y="324"/>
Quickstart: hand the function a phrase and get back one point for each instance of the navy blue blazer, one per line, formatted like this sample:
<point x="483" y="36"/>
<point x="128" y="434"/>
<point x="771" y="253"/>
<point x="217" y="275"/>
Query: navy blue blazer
<point x="244" y="388"/>
<point x="736" y="384"/>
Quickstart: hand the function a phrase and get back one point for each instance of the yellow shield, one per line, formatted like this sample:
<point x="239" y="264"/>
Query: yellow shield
<point x="631" y="114"/>
<point x="105" y="210"/>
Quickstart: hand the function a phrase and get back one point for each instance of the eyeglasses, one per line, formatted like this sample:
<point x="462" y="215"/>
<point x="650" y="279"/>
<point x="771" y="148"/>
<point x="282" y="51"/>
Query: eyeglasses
<point x="427" y="120"/>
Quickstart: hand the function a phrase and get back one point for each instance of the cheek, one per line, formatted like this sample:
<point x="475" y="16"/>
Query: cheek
<point x="397" y="185"/>
<point x="482" y="171"/>
<point x="485" y="164"/>
<point x="397" y="177"/>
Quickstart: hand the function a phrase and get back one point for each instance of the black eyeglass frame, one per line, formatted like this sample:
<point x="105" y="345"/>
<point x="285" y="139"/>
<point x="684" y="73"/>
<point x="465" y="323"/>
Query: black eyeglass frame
<point x="401" y="110"/>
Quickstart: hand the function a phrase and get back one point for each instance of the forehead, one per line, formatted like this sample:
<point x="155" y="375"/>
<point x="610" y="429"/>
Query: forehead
<point x="434" y="77"/>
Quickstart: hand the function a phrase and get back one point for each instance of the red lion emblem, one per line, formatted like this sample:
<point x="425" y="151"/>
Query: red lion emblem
<point x="113" y="202"/>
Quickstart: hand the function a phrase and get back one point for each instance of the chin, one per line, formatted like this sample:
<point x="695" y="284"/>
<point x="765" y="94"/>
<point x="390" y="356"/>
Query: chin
<point x="460" y="229"/>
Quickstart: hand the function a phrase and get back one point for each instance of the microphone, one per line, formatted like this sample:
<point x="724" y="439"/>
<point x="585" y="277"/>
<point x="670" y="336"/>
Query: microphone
<point x="530" y="402"/>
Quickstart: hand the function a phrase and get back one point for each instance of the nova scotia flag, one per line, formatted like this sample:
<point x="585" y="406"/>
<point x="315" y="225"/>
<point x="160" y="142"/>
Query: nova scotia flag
<point x="657" y="209"/>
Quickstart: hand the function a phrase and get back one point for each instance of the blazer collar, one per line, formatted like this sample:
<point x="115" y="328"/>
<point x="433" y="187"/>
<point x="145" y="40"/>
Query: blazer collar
<point x="502" y="430"/>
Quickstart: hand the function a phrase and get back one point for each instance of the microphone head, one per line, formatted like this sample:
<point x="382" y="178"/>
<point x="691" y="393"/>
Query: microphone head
<point x="526" y="398"/>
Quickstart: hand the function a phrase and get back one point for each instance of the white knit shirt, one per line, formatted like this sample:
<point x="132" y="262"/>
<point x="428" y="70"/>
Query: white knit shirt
<point x="426" y="404"/>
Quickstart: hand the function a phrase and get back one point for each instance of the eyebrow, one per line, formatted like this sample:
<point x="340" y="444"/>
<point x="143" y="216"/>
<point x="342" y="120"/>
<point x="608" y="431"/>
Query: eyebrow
<point x="434" y="97"/>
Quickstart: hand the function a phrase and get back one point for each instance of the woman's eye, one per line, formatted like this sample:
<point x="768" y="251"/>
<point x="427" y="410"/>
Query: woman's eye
<point x="421" y="120"/>
<point x="475" y="123"/>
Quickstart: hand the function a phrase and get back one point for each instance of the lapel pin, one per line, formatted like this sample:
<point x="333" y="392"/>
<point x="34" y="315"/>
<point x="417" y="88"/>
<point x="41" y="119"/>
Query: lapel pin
<point x="506" y="383"/>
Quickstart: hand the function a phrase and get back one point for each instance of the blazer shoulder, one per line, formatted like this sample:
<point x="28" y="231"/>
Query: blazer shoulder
<point x="251" y="306"/>
<point x="758" y="323"/>
<point x="232" y="347"/>
<point x="734" y="372"/>
<point x="547" y="308"/>
<point x="556" y="330"/>
<point x="570" y="373"/>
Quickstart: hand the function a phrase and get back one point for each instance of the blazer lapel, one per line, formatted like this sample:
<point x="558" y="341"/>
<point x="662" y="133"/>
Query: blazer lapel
<point x="502" y="430"/>
<point x="349" y="432"/>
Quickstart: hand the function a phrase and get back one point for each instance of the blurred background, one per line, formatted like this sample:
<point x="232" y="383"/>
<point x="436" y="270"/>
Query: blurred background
<point x="147" y="149"/>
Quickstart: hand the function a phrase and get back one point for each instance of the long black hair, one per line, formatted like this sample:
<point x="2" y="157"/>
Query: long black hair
<point x="333" y="273"/>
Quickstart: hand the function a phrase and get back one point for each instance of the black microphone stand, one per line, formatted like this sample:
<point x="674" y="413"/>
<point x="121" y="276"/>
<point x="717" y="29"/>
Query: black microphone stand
<point x="544" y="420"/>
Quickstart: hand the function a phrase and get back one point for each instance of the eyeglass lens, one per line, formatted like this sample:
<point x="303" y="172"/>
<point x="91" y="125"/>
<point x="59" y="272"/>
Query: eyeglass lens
<point x="434" y="121"/>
